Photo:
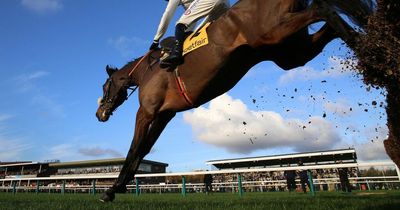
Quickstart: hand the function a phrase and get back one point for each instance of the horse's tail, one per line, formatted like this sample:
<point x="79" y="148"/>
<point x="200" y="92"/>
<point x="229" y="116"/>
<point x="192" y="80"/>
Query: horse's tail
<point x="356" y="10"/>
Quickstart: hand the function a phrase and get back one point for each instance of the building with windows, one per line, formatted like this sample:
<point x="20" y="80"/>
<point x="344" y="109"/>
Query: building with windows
<point x="77" y="171"/>
<point x="275" y="180"/>
<point x="308" y="158"/>
<point x="252" y="174"/>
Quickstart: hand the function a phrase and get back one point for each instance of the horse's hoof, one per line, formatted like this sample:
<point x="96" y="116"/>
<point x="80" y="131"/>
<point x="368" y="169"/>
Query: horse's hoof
<point x="121" y="189"/>
<point x="107" y="197"/>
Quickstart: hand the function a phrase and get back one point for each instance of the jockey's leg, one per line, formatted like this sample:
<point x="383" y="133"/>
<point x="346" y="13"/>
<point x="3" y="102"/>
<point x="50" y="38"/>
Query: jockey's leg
<point x="197" y="10"/>
<point x="175" y="58"/>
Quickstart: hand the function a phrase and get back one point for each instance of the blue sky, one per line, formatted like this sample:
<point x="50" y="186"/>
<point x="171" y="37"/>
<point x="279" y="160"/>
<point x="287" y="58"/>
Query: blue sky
<point x="52" y="59"/>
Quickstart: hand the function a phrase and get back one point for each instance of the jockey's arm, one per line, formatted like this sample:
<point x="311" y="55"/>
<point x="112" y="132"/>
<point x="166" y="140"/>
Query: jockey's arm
<point x="166" y="18"/>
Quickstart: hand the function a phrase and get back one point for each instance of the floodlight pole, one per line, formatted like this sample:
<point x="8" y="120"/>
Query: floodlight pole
<point x="37" y="186"/>
<point x="240" y="188"/>
<point x="63" y="187"/>
<point x="94" y="187"/>
<point x="137" y="192"/>
<point x="14" y="184"/>
<point x="183" y="186"/>
<point x="310" y="180"/>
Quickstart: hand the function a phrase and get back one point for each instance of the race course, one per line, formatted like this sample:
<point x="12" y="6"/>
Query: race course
<point x="272" y="200"/>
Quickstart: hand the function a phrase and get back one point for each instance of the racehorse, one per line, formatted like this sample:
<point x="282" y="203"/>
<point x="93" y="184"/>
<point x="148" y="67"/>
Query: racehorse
<point x="248" y="33"/>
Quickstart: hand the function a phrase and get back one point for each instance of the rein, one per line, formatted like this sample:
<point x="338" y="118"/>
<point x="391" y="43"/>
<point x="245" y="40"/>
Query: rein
<point x="133" y="69"/>
<point x="138" y="63"/>
<point x="132" y="90"/>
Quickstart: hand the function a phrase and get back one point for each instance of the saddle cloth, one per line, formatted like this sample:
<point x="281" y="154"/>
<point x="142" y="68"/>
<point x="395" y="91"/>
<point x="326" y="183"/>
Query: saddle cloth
<point x="192" y="42"/>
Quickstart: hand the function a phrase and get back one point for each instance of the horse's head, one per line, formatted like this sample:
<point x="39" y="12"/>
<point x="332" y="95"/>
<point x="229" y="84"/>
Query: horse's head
<point x="115" y="92"/>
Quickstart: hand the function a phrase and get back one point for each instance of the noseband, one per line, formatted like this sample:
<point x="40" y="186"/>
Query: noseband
<point x="110" y="100"/>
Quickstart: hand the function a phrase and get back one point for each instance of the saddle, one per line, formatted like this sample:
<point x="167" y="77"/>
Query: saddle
<point x="193" y="41"/>
<point x="166" y="47"/>
<point x="168" y="43"/>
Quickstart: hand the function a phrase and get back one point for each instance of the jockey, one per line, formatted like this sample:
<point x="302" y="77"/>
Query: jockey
<point x="166" y="19"/>
<point x="210" y="9"/>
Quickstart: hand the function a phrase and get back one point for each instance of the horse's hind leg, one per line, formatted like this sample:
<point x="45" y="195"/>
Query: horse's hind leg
<point x="289" y="24"/>
<point x="148" y="129"/>
<point x="303" y="47"/>
<point x="316" y="43"/>
<point x="344" y="30"/>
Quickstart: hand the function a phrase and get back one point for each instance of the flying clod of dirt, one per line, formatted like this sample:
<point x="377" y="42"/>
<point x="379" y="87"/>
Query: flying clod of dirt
<point x="378" y="50"/>
<point x="378" y="53"/>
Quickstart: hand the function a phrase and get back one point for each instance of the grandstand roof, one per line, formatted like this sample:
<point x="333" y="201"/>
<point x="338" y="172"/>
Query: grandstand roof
<point x="102" y="162"/>
<point x="308" y="158"/>
<point x="13" y="163"/>
<point x="24" y="163"/>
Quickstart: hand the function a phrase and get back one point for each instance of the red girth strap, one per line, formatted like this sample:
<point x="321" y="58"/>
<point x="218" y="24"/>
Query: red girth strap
<point x="182" y="88"/>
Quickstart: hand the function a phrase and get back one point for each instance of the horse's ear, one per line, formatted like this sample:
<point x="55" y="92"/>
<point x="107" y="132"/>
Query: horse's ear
<point x="110" y="70"/>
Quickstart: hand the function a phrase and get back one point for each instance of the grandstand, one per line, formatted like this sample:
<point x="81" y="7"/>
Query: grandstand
<point x="252" y="174"/>
<point x="308" y="158"/>
<point x="75" y="171"/>
<point x="275" y="179"/>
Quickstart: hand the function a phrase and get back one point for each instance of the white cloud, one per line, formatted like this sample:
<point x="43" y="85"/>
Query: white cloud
<point x="373" y="149"/>
<point x="73" y="151"/>
<point x="43" y="6"/>
<point x="47" y="107"/>
<point x="336" y="67"/>
<point x="229" y="124"/>
<point x="97" y="152"/>
<point x="32" y="76"/>
<point x="4" y="117"/>
<point x="61" y="152"/>
<point x="44" y="104"/>
<point x="11" y="148"/>
<point x="340" y="108"/>
<point x="128" y="46"/>
<point x="26" y="82"/>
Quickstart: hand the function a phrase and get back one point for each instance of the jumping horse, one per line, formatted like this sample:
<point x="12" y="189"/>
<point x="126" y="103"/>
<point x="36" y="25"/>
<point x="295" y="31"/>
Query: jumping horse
<point x="248" y="33"/>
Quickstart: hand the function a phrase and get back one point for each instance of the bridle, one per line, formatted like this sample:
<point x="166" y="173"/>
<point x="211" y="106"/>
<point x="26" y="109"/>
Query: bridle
<point x="110" y="82"/>
<point x="111" y="100"/>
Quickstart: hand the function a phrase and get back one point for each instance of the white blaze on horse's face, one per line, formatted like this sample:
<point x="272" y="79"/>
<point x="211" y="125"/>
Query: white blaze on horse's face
<point x="100" y="101"/>
<point x="101" y="113"/>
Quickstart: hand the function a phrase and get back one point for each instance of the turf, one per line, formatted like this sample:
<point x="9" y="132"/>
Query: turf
<point x="274" y="200"/>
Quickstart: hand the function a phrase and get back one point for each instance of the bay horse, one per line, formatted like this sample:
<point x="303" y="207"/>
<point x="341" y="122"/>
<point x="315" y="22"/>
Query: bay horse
<point x="248" y="33"/>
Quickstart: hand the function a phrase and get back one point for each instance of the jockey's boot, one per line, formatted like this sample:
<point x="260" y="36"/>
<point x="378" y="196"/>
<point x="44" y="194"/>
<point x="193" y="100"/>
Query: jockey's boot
<point x="175" y="58"/>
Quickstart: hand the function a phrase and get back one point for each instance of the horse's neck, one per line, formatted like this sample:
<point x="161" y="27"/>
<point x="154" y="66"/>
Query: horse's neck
<point x="131" y="71"/>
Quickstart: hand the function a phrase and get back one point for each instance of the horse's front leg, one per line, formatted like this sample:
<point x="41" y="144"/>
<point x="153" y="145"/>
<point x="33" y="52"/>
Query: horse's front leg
<point x="148" y="129"/>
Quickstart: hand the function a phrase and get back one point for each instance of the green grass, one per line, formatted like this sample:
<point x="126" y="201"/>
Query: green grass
<point x="225" y="201"/>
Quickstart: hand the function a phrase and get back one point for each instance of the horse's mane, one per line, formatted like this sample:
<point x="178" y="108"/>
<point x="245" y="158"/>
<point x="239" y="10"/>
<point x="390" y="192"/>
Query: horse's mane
<point x="131" y="63"/>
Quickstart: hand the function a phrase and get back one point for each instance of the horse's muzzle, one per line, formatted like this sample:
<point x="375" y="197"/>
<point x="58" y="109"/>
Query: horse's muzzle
<point x="102" y="115"/>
